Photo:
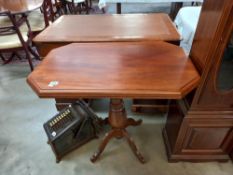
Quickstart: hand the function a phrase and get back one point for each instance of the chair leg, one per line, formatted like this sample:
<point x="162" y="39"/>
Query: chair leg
<point x="26" y="48"/>
<point x="78" y="8"/>
<point x="34" y="53"/>
<point x="90" y="3"/>
<point x="2" y="57"/>
<point x="29" y="61"/>
<point x="16" y="54"/>
<point x="87" y="7"/>
<point x="10" y="59"/>
<point x="71" y="8"/>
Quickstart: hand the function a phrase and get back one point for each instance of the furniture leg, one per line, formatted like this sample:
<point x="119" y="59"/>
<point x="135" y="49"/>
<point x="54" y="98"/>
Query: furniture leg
<point x="87" y="7"/>
<point x="16" y="54"/>
<point x="175" y="7"/>
<point x="133" y="147"/>
<point x="119" y="121"/>
<point x="2" y="57"/>
<point x="34" y="53"/>
<point x="29" y="61"/>
<point x="118" y="8"/>
<point x="10" y="59"/>
<point x="107" y="138"/>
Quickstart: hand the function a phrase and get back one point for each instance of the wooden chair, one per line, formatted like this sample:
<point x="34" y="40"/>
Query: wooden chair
<point x="13" y="37"/>
<point x="41" y="18"/>
<point x="59" y="7"/>
<point x="78" y="6"/>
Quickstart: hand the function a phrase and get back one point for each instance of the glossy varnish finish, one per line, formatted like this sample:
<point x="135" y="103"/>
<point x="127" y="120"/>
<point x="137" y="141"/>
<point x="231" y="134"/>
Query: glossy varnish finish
<point x="99" y="28"/>
<point x="208" y="21"/>
<point x="119" y="122"/>
<point x="106" y="28"/>
<point x="115" y="70"/>
<point x="201" y="128"/>
<point x="20" y="6"/>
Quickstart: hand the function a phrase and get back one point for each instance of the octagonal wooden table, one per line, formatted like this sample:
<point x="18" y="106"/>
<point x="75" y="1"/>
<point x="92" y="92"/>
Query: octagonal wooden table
<point x="116" y="71"/>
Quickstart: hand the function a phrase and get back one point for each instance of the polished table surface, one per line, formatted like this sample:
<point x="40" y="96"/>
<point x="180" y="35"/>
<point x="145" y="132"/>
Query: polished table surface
<point x="115" y="70"/>
<point x="20" y="6"/>
<point x="106" y="28"/>
<point x="99" y="28"/>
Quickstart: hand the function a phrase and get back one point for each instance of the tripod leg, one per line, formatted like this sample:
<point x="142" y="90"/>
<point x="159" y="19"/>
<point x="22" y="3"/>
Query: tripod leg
<point x="133" y="147"/>
<point x="102" y="145"/>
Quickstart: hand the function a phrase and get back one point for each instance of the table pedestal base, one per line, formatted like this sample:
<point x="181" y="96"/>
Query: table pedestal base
<point x="119" y="121"/>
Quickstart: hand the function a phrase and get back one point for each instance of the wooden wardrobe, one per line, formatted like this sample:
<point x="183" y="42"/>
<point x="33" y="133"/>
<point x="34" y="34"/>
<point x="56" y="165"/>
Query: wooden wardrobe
<point x="200" y="126"/>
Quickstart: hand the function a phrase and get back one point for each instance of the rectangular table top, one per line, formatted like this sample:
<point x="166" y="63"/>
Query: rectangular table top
<point x="115" y="70"/>
<point x="104" y="28"/>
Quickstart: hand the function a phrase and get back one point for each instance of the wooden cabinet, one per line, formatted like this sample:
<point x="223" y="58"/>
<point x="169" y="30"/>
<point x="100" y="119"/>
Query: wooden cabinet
<point x="200" y="126"/>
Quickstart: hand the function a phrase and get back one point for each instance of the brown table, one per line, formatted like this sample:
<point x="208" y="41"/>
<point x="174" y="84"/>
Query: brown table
<point x="115" y="71"/>
<point x="20" y="6"/>
<point x="106" y="28"/>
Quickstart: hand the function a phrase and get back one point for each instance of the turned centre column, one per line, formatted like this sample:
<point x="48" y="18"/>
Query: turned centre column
<point x="119" y="121"/>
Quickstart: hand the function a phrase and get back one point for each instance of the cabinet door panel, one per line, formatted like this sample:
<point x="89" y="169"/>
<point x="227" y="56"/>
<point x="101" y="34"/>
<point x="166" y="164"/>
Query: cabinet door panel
<point x="210" y="136"/>
<point x="207" y="138"/>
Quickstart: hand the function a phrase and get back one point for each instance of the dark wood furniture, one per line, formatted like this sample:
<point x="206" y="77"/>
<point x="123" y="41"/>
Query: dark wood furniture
<point x="18" y="41"/>
<point x="107" y="28"/>
<point x="116" y="71"/>
<point x="78" y="6"/>
<point x="231" y="152"/>
<point x="49" y="14"/>
<point x="40" y="19"/>
<point x="200" y="126"/>
<point x="21" y="8"/>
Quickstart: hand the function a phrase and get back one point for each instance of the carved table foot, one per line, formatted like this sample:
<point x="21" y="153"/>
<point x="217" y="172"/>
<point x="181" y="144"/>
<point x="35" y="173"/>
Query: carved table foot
<point x="133" y="147"/>
<point x="108" y="136"/>
<point x="119" y="121"/>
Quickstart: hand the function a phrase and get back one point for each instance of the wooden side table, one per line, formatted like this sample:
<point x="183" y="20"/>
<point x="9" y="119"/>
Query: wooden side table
<point x="115" y="71"/>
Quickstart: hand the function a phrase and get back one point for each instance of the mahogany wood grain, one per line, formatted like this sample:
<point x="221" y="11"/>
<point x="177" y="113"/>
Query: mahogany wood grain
<point x="208" y="22"/>
<point x="115" y="70"/>
<point x="20" y="6"/>
<point x="119" y="121"/>
<point x="99" y="28"/>
<point x="201" y="128"/>
<point x="106" y="28"/>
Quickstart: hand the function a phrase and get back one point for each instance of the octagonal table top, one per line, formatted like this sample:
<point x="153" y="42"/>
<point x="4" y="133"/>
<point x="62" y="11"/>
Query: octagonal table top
<point x="115" y="70"/>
